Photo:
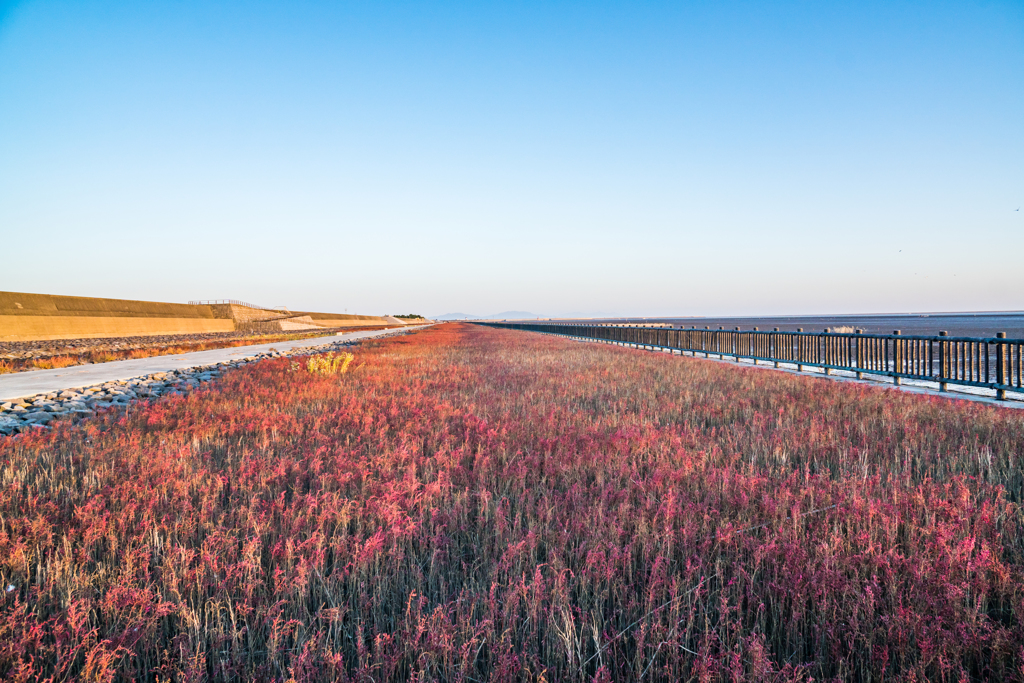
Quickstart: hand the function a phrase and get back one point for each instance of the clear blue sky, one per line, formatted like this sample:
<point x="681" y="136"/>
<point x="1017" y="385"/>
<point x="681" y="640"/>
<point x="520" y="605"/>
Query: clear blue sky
<point x="592" y="158"/>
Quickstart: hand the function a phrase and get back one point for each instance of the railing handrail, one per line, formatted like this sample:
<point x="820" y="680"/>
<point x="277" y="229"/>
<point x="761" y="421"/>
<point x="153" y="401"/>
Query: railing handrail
<point x="991" y="362"/>
<point x="823" y="333"/>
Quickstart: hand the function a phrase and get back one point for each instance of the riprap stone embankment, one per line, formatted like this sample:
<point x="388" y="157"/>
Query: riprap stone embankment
<point x="39" y="411"/>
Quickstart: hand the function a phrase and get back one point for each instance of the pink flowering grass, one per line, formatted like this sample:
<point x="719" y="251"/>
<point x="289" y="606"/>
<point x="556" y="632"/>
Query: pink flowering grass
<point x="470" y="504"/>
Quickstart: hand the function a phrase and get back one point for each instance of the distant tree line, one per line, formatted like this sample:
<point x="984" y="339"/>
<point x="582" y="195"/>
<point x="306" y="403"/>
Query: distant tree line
<point x="410" y="316"/>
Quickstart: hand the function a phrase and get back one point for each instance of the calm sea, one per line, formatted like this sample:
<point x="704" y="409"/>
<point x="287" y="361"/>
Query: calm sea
<point x="956" y="324"/>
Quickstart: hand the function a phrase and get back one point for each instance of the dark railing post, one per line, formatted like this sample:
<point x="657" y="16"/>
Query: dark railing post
<point x="1001" y="367"/>
<point x="774" y="346"/>
<point x="943" y="361"/>
<point x="799" y="350"/>
<point x="897" y="358"/>
<point x="860" y="356"/>
<point x="827" y="359"/>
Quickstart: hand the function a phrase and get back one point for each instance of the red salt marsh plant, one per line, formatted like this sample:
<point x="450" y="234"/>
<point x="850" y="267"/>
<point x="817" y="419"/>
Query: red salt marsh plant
<point x="486" y="505"/>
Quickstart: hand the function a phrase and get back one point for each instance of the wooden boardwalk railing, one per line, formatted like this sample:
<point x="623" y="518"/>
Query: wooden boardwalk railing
<point x="992" y="363"/>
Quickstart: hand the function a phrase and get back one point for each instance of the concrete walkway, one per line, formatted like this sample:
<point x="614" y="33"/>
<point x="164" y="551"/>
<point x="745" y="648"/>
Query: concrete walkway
<point x="910" y="386"/>
<point x="22" y="384"/>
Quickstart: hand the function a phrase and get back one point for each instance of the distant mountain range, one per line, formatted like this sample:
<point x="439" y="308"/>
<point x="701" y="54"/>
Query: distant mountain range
<point x="504" y="315"/>
<point x="456" y="316"/>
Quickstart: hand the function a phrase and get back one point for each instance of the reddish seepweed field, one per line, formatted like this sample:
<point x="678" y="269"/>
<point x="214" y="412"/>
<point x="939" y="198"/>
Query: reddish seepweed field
<point x="468" y="504"/>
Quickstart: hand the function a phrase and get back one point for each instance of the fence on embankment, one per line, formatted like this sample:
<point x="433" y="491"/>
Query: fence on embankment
<point x="991" y="363"/>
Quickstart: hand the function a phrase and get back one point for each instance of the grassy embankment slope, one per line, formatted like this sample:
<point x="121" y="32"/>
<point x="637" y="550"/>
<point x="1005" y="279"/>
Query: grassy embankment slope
<point x="489" y="505"/>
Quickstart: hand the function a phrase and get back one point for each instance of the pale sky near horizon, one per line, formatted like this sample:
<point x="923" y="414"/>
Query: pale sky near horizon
<point x="591" y="158"/>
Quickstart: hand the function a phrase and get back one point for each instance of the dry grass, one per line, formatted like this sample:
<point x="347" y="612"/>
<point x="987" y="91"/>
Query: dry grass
<point x="329" y="364"/>
<point x="54" y="362"/>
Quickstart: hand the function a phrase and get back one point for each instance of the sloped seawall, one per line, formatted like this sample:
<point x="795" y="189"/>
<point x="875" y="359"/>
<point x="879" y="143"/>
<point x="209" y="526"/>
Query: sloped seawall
<point x="31" y="317"/>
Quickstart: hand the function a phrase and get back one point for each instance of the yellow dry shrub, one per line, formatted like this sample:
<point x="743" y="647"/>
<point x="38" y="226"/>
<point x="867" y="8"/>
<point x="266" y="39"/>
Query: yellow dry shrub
<point x="54" y="362"/>
<point x="329" y="364"/>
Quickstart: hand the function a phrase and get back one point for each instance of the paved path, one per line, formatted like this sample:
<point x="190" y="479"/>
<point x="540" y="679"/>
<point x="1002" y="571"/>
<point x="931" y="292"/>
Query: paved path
<point x="22" y="384"/>
<point x="909" y="385"/>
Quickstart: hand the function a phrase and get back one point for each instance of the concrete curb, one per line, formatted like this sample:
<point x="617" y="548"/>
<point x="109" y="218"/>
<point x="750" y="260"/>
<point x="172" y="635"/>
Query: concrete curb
<point x="909" y="386"/>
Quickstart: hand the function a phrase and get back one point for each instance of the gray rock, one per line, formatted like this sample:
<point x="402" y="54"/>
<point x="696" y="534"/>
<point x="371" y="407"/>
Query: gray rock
<point x="8" y="422"/>
<point x="26" y="427"/>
